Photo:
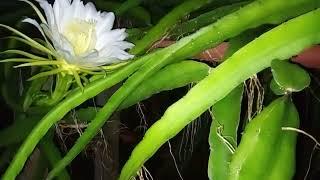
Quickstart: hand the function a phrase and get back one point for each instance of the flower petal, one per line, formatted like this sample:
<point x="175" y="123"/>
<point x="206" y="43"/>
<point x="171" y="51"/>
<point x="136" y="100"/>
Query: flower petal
<point x="90" y="11"/>
<point x="60" y="7"/>
<point x="108" y="37"/>
<point x="78" y="9"/>
<point x="47" y="8"/>
<point x="105" y="23"/>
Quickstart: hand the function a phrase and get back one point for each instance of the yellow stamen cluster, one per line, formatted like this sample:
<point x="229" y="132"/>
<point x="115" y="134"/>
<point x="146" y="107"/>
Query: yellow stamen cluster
<point x="81" y="34"/>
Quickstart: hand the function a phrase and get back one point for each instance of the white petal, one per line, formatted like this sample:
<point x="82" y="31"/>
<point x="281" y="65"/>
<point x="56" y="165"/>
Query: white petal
<point x="47" y="8"/>
<point x="115" y="53"/>
<point x="110" y="36"/>
<point x="105" y="23"/>
<point x="78" y="9"/>
<point x="65" y="45"/>
<point x="66" y="17"/>
<point x="52" y="34"/>
<point x="96" y="62"/>
<point x="124" y="45"/>
<point x="119" y="34"/>
<point x="59" y="9"/>
<point x="56" y="11"/>
<point x="61" y="44"/>
<point x="122" y="55"/>
<point x="90" y="11"/>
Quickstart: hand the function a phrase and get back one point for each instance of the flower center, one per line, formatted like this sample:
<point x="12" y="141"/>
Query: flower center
<point x="81" y="34"/>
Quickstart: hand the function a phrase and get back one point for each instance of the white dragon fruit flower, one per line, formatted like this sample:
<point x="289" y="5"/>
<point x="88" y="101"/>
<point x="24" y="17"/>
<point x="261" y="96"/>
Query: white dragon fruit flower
<point x="81" y="35"/>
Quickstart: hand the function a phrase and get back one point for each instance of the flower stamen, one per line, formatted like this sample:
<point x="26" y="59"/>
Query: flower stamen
<point x="81" y="34"/>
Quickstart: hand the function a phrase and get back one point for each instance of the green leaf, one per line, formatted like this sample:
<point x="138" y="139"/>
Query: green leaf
<point x="290" y="77"/>
<point x="170" y="77"/>
<point x="259" y="142"/>
<point x="223" y="133"/>
<point x="83" y="115"/>
<point x="276" y="89"/>
<point x="284" y="160"/>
